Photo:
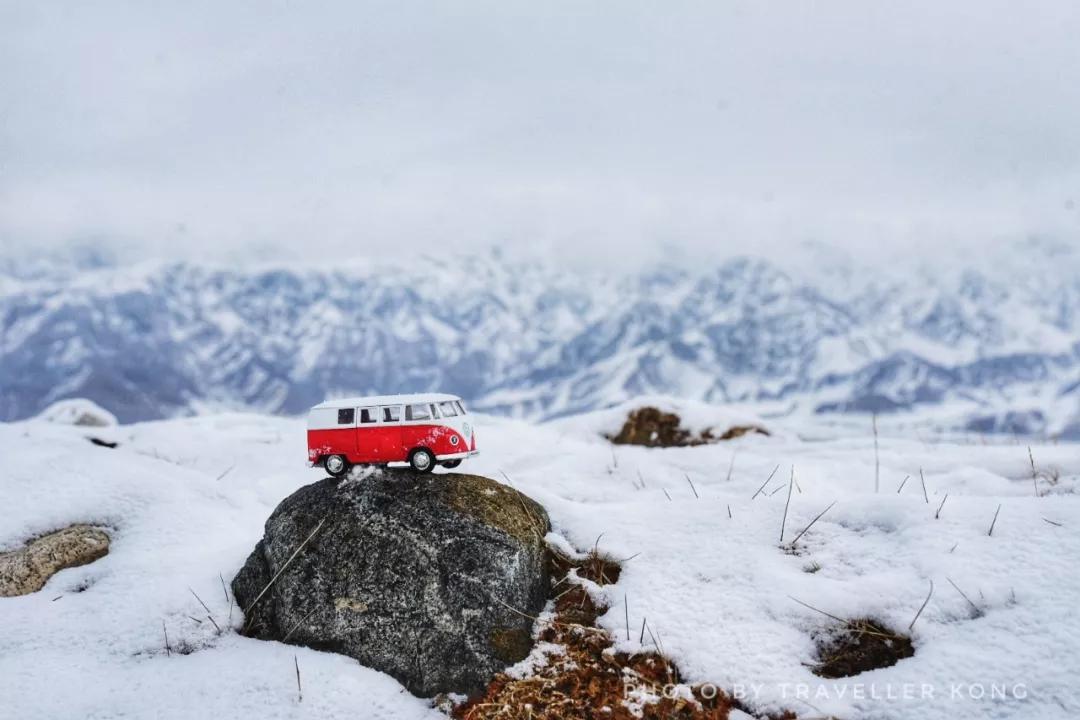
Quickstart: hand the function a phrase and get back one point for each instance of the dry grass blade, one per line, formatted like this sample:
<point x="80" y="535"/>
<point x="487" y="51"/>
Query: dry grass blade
<point x="1053" y="522"/>
<point x="297" y="624"/>
<point x="938" y="513"/>
<point x="209" y="614"/>
<point x="922" y="479"/>
<point x="626" y="610"/>
<point x="584" y="628"/>
<point x="653" y="638"/>
<point x="168" y="648"/>
<point x="816" y="518"/>
<point x="666" y="494"/>
<point x="536" y="522"/>
<point x="284" y="567"/>
<point x="993" y="522"/>
<point x="1034" y="473"/>
<point x="730" y="468"/>
<point x="783" y="522"/>
<point x="902" y="483"/>
<point x="818" y="610"/>
<point x="956" y="587"/>
<point x="767" y="481"/>
<point x="299" y="690"/>
<point x="692" y="487"/>
<point x="859" y="626"/>
<point x="923" y="607"/>
<point x="226" y="472"/>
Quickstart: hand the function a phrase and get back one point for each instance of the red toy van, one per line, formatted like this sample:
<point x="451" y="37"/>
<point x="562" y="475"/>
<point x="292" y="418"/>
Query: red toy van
<point x="423" y="430"/>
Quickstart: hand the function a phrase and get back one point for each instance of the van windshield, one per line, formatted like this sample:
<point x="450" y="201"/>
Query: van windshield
<point x="447" y="409"/>
<point x="460" y="406"/>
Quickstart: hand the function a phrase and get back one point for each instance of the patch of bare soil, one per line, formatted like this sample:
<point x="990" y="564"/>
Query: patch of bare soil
<point x="588" y="680"/>
<point x="737" y="431"/>
<point x="652" y="427"/>
<point x="858" y="646"/>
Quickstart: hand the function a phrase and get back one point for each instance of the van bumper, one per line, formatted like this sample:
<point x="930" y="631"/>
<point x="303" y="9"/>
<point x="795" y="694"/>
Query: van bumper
<point x="457" y="456"/>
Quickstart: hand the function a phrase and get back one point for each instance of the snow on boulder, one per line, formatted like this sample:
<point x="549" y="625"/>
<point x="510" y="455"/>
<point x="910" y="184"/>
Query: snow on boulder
<point x="431" y="579"/>
<point x="78" y="411"/>
<point x="27" y="569"/>
<point x="668" y="422"/>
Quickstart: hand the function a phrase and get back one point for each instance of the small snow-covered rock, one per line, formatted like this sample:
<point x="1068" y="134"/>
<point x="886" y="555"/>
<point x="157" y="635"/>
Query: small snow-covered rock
<point x="431" y="579"/>
<point x="78" y="411"/>
<point x="27" y="569"/>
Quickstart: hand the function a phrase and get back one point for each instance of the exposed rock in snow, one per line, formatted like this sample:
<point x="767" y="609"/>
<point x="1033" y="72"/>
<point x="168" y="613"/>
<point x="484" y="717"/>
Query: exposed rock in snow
<point x="27" y="570"/>
<point x="651" y="427"/>
<point x="78" y="411"/>
<point x="668" y="422"/>
<point x="429" y="578"/>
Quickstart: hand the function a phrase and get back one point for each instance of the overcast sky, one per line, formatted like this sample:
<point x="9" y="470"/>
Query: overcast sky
<point x="227" y="130"/>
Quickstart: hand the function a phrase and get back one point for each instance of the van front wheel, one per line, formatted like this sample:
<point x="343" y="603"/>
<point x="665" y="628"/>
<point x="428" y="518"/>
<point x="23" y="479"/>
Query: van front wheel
<point x="336" y="465"/>
<point x="422" y="460"/>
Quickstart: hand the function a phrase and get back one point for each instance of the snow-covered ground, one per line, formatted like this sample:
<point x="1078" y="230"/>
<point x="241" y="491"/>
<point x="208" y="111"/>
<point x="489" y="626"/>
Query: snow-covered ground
<point x="186" y="500"/>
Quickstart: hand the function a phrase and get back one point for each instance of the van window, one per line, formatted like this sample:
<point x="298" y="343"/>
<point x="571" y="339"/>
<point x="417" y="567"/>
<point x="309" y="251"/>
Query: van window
<point x="460" y="406"/>
<point x="391" y="413"/>
<point x="417" y="412"/>
<point x="447" y="408"/>
<point x="369" y="415"/>
<point x="434" y="411"/>
<point x="345" y="416"/>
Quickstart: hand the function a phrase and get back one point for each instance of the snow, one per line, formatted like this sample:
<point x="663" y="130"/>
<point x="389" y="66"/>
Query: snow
<point x="185" y="500"/>
<point x="77" y="411"/>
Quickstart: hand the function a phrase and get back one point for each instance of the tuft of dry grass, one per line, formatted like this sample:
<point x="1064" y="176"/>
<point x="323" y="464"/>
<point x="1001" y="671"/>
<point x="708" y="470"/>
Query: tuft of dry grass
<point x="858" y="646"/>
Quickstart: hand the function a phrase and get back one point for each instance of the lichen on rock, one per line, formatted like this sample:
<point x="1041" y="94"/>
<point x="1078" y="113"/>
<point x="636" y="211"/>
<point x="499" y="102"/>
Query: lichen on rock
<point x="27" y="569"/>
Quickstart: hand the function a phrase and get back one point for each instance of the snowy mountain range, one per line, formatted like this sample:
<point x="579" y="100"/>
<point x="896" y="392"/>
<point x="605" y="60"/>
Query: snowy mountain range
<point x="998" y="345"/>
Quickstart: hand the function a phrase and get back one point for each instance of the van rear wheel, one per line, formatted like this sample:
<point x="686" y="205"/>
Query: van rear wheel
<point x="422" y="460"/>
<point x="336" y="465"/>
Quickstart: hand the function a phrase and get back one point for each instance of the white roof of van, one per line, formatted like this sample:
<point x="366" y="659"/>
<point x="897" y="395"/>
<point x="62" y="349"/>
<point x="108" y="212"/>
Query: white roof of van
<point x="369" y="400"/>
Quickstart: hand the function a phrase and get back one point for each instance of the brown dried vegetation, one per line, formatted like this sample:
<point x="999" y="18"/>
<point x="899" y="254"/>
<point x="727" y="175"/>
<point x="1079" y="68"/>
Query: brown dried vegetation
<point x="652" y="427"/>
<point x="859" y="646"/>
<point x="588" y="680"/>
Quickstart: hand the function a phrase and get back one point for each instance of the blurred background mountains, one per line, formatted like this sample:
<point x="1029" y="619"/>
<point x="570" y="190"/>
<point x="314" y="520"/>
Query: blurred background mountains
<point x="988" y="346"/>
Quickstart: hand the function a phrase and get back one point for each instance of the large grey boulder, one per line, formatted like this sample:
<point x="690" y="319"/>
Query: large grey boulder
<point x="429" y="578"/>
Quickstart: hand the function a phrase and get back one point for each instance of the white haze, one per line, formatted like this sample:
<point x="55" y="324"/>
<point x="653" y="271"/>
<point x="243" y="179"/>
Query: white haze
<point x="601" y="131"/>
